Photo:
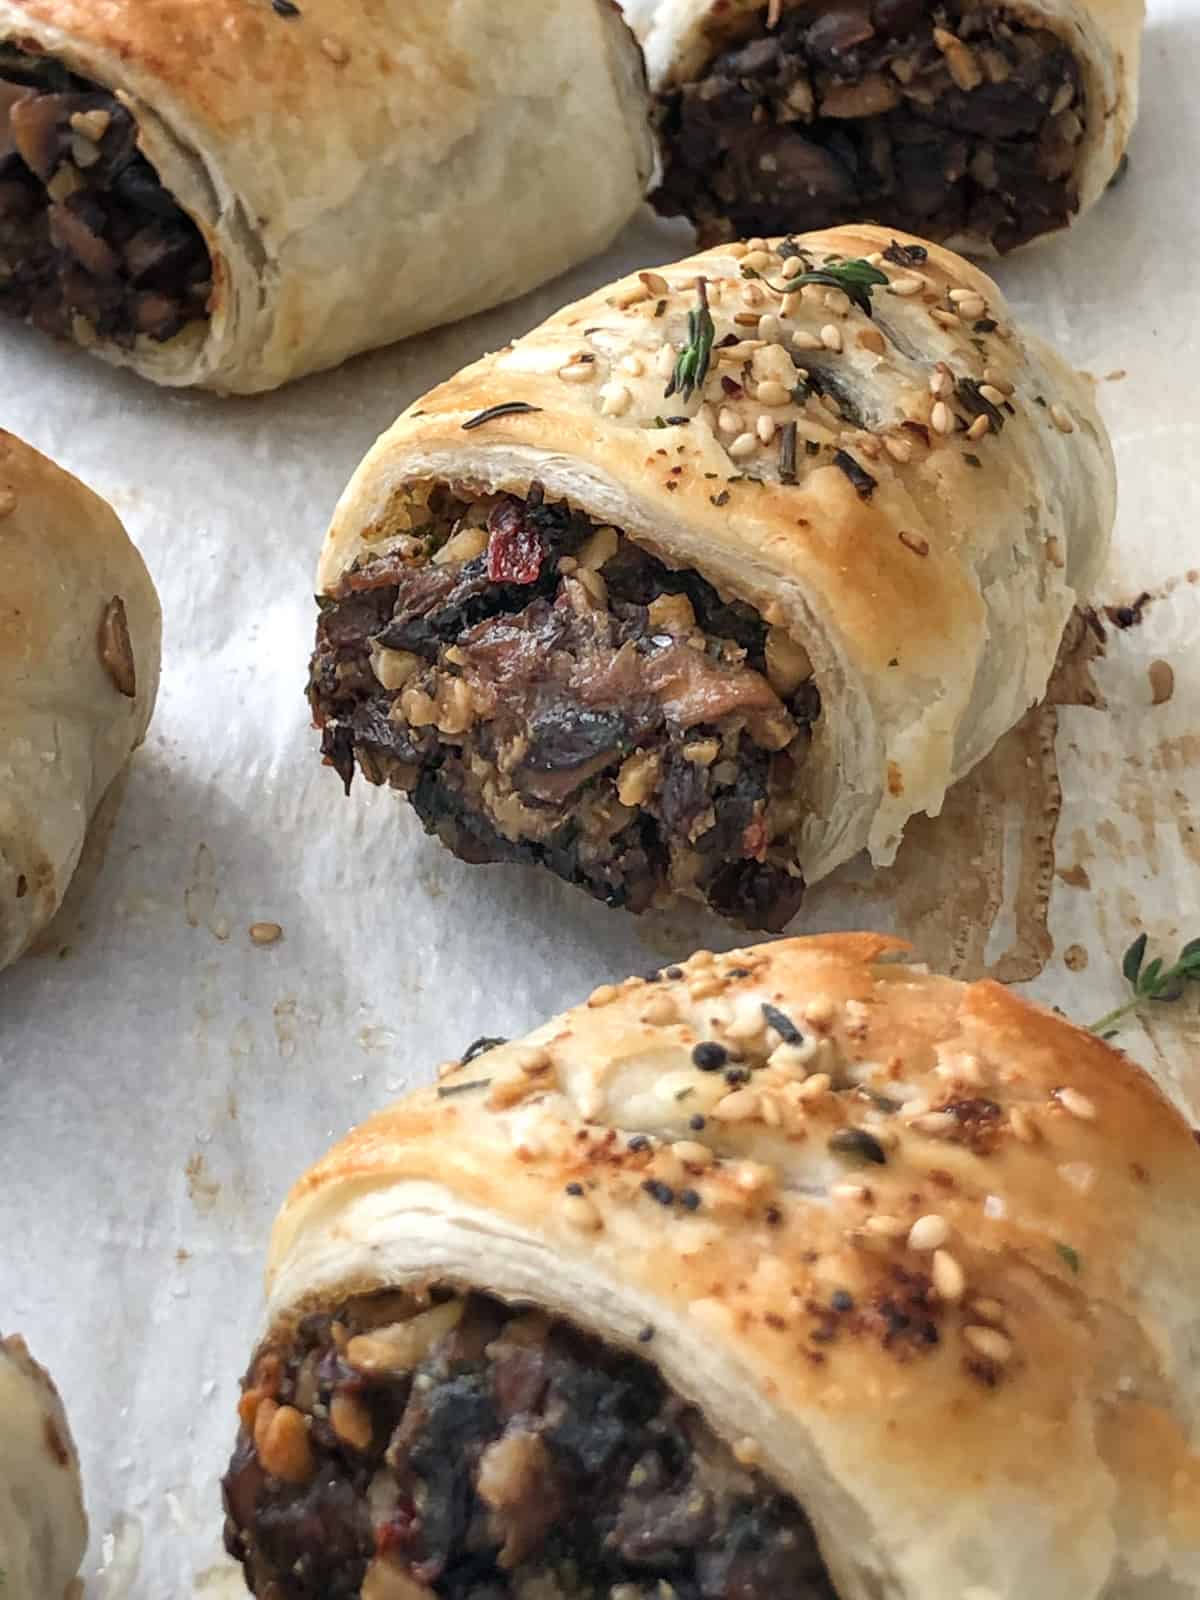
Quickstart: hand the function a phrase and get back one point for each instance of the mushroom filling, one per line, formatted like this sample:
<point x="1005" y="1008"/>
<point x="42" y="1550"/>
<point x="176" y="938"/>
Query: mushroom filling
<point x="91" y="244"/>
<point x="475" y="1452"/>
<point x="940" y="120"/>
<point x="545" y="690"/>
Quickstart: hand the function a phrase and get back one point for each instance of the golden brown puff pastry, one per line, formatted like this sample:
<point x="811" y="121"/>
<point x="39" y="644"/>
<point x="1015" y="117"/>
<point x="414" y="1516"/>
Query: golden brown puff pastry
<point x="788" y="1273"/>
<point x="80" y="642"/>
<point x="714" y="632"/>
<point x="232" y="193"/>
<point x="43" y="1529"/>
<point x="980" y="125"/>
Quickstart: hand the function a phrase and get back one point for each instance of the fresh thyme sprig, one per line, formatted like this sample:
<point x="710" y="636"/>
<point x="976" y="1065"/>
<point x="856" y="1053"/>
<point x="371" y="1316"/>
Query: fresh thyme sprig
<point x="1152" y="981"/>
<point x="855" y="278"/>
<point x="691" y="367"/>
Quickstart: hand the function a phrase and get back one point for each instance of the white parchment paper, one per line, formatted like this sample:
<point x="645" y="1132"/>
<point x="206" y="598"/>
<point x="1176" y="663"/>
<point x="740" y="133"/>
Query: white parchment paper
<point x="163" y="1080"/>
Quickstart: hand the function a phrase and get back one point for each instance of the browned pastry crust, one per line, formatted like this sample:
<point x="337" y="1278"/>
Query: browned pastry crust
<point x="933" y="1281"/>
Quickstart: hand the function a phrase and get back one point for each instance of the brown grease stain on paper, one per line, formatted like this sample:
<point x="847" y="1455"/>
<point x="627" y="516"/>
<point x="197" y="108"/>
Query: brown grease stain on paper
<point x="203" y="1191"/>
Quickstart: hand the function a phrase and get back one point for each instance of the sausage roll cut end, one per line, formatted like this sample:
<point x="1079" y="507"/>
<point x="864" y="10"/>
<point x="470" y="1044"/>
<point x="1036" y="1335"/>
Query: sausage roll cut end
<point x="756" y="1279"/>
<point x="717" y="576"/>
<point x="978" y="124"/>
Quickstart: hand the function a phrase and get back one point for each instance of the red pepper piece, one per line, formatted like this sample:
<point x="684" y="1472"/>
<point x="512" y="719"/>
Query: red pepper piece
<point x="515" y="551"/>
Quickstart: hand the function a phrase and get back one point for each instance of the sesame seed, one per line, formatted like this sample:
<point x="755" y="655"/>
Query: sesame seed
<point x="992" y="377"/>
<point x="981" y="425"/>
<point x="661" y="1010"/>
<point x="704" y="987"/>
<point x="935" y="1122"/>
<point x="656" y="285"/>
<point x="907" y="286"/>
<point x="1061" y="419"/>
<point x="8" y="502"/>
<point x="531" y="1061"/>
<point x="941" y="381"/>
<point x="769" y="326"/>
<point x="757" y="257"/>
<point x="603" y="996"/>
<point x="899" y="449"/>
<point x="744" y="445"/>
<point x="615" y="400"/>
<point x="577" y="372"/>
<point x="792" y="267"/>
<point x="765" y="428"/>
<point x="944" y="319"/>
<point x="885" y="1227"/>
<point x="790" y="303"/>
<point x="265" y="932"/>
<point x="1077" y="1104"/>
<point x="989" y="1342"/>
<point x="746" y="319"/>
<point x="336" y="51"/>
<point x="771" y="393"/>
<point x="633" y="365"/>
<point x="803" y="340"/>
<point x="709" y="1056"/>
<point x="693" y="1154"/>
<point x="991" y="394"/>
<point x="815" y="1087"/>
<point x="740" y="1106"/>
<point x="928" y="1233"/>
<point x="948" y="1277"/>
<point x="1023" y="1128"/>
<point x="848" y="1191"/>
<point x="831" y="336"/>
<point x="941" y="418"/>
<point x="987" y="1310"/>
<point x="746" y="1453"/>
<point x="580" y="1212"/>
<point x="969" y="304"/>
<point x="871" y="339"/>
<point x="728" y="421"/>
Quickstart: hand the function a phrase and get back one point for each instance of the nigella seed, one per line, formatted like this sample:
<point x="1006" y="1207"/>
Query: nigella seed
<point x="285" y="8"/>
<point x="689" y="1199"/>
<point x="774" y="1216"/>
<point x="674" y="972"/>
<point x="783" y="1025"/>
<point x="645" y="1336"/>
<point x="841" y="1300"/>
<point x="657" y="1190"/>
<point x="480" y="1047"/>
<point x="739" y="972"/>
<point x="574" y="1188"/>
<point x="638" y="1143"/>
<point x="736" y="1075"/>
<point x="696" y="1123"/>
<point x="709" y="1056"/>
<point x="858" y="1142"/>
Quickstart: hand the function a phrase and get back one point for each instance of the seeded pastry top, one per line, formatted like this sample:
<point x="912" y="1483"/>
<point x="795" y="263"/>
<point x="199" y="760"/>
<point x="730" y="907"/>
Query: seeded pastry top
<point x="913" y="1243"/>
<point x="846" y="430"/>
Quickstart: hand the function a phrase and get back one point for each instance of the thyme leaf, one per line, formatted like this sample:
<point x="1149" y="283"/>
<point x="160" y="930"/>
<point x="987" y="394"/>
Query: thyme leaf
<point x="1071" y="1256"/>
<point x="691" y="366"/>
<point x="1152" y="980"/>
<point x="855" y="278"/>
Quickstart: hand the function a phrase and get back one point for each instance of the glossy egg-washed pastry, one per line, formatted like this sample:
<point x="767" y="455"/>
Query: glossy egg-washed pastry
<point x="719" y="575"/>
<point x="232" y="193"/>
<point x="787" y="1274"/>
<point x="80" y="642"/>
<point x="981" y="125"/>
<point x="43" y="1530"/>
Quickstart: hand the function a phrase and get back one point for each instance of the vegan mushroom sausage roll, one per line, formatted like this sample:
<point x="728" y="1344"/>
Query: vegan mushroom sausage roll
<point x="980" y="125"/>
<point x="790" y="1274"/>
<point x="719" y="575"/>
<point x="230" y="194"/>
<point x="43" y="1530"/>
<point x="79" y="644"/>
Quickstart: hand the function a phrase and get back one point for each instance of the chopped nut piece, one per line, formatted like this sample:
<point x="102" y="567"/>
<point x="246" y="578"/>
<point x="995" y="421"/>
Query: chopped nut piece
<point x="116" y="648"/>
<point x="351" y="1420"/>
<point x="401" y="1346"/>
<point x="283" y="1445"/>
<point x="265" y="932"/>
